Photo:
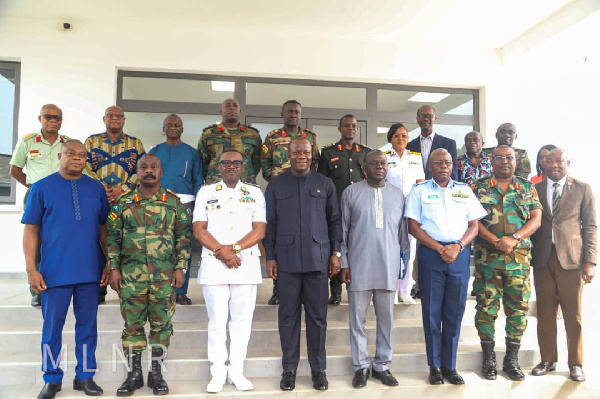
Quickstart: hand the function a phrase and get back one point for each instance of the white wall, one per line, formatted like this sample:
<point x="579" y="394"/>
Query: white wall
<point x="77" y="71"/>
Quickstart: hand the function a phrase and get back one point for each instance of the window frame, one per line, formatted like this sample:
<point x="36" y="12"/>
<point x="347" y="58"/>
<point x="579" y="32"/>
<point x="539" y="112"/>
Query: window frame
<point x="16" y="66"/>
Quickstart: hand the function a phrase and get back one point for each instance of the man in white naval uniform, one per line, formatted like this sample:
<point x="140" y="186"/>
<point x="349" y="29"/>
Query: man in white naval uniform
<point x="374" y="236"/>
<point x="229" y="221"/>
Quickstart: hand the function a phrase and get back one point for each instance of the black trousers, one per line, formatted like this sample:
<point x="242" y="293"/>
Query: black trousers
<point x="310" y="290"/>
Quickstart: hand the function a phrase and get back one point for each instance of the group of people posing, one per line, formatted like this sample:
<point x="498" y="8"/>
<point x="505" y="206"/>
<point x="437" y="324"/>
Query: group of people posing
<point x="105" y="212"/>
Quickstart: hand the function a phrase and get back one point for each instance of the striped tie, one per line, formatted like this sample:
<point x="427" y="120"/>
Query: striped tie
<point x="555" y="197"/>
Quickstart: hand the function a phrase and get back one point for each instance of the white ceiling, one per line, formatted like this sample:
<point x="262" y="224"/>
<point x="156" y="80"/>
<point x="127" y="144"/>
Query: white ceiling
<point x="464" y="23"/>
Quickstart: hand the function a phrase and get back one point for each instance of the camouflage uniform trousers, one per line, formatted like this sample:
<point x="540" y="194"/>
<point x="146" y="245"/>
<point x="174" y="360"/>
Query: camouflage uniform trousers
<point x="512" y="287"/>
<point x="141" y="301"/>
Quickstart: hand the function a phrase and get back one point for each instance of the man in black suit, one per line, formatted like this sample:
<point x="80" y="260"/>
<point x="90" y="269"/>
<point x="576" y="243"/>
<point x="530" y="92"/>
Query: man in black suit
<point x="302" y="241"/>
<point x="428" y="140"/>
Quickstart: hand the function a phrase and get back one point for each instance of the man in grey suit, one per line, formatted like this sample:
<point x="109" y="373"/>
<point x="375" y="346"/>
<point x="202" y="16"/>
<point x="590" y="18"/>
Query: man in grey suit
<point x="375" y="234"/>
<point x="563" y="257"/>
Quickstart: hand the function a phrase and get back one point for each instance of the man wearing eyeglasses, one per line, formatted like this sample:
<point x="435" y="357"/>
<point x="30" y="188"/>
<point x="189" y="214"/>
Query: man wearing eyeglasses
<point x="506" y="134"/>
<point x="229" y="221"/>
<point x="38" y="154"/>
<point x="443" y="215"/>
<point x="502" y="258"/>
<point x="429" y="140"/>
<point x="112" y="159"/>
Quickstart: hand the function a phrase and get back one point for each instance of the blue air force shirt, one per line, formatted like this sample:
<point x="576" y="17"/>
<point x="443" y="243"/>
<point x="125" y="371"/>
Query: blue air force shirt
<point x="69" y="213"/>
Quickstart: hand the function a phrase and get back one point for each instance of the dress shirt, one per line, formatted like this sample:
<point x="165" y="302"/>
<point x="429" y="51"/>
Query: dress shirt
<point x="443" y="213"/>
<point x="426" y="143"/>
<point x="550" y="190"/>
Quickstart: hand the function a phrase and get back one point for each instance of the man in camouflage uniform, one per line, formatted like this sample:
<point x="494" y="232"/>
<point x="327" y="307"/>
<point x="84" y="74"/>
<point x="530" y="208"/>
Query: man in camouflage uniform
<point x="506" y="134"/>
<point x="148" y="248"/>
<point x="502" y="257"/>
<point x="274" y="155"/>
<point x="38" y="154"/>
<point x="342" y="162"/>
<point x="230" y="133"/>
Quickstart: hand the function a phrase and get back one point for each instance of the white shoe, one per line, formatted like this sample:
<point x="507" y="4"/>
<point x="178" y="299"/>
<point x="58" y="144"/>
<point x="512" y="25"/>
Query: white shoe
<point x="407" y="299"/>
<point x="240" y="382"/>
<point x="216" y="384"/>
<point x="396" y="301"/>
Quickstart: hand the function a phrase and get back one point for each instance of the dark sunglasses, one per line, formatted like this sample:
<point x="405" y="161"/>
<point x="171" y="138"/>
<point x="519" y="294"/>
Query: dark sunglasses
<point x="49" y="117"/>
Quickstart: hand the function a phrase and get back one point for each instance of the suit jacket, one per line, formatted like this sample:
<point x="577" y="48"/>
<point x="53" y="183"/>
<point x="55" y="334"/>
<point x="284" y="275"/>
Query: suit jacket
<point x="573" y="224"/>
<point x="304" y="222"/>
<point x="439" y="141"/>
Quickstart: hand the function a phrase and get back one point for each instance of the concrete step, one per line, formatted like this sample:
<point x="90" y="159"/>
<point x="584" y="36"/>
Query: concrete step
<point x="187" y="364"/>
<point x="411" y="385"/>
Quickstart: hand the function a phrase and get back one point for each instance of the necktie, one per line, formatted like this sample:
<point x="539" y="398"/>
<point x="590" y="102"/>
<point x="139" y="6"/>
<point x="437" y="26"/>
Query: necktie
<point x="555" y="197"/>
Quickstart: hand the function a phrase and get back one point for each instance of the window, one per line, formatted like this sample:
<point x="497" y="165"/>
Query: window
<point x="9" y="100"/>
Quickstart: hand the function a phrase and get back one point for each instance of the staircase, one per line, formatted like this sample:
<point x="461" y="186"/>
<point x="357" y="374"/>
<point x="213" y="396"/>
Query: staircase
<point x="188" y="368"/>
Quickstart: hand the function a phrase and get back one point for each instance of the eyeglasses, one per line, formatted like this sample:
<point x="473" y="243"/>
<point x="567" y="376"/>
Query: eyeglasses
<point x="428" y="116"/>
<point x="227" y="163"/>
<point x="71" y="154"/>
<point x="440" y="163"/>
<point x="118" y="116"/>
<point x="500" y="158"/>
<point x="49" y="117"/>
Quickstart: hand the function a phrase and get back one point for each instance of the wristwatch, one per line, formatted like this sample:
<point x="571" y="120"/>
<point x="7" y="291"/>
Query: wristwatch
<point x="337" y="254"/>
<point x="237" y="248"/>
<point x="517" y="236"/>
<point x="124" y="188"/>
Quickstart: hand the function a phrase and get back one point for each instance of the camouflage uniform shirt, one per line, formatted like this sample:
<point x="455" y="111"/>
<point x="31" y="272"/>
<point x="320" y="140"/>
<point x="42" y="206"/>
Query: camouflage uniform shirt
<point x="523" y="165"/>
<point x="274" y="155"/>
<point x="218" y="138"/>
<point x="148" y="239"/>
<point x="506" y="214"/>
<point x="342" y="166"/>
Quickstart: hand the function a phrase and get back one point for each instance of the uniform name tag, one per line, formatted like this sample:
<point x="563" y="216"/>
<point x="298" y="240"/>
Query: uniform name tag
<point x="432" y="196"/>
<point x="335" y="159"/>
<point x="35" y="154"/>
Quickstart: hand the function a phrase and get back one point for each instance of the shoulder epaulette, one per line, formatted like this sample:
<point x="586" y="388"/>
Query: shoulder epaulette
<point x="388" y="152"/>
<point x="327" y="146"/>
<point x="309" y="131"/>
<point x="366" y="147"/>
<point x="460" y="183"/>
<point x="413" y="152"/>
<point x="272" y="132"/>
<point x="423" y="182"/>
<point x="253" y="185"/>
<point x="170" y="192"/>
<point x="209" y="127"/>
<point x="29" y="136"/>
<point x="252" y="128"/>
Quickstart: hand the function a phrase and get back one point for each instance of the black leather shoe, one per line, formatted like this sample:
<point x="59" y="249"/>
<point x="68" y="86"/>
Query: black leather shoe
<point x="49" y="390"/>
<point x="360" y="378"/>
<point x="415" y="294"/>
<point x="288" y="380"/>
<point x="576" y="373"/>
<point x="542" y="368"/>
<point x="452" y="376"/>
<point x="182" y="299"/>
<point x="435" y="376"/>
<point x="319" y="379"/>
<point x="335" y="299"/>
<point x="88" y="386"/>
<point x="36" y="300"/>
<point x="385" y="377"/>
<point x="101" y="299"/>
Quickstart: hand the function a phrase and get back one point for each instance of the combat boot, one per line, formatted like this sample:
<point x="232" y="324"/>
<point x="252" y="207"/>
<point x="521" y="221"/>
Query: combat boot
<point x="488" y="367"/>
<point x="511" y="361"/>
<point x="155" y="379"/>
<point x="274" y="300"/>
<point x="135" y="378"/>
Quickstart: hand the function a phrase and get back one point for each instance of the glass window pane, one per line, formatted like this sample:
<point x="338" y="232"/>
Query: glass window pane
<point x="400" y="101"/>
<point x="147" y="127"/>
<point x="308" y="96"/>
<point x="455" y="132"/>
<point x="7" y="110"/>
<point x="176" y="90"/>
